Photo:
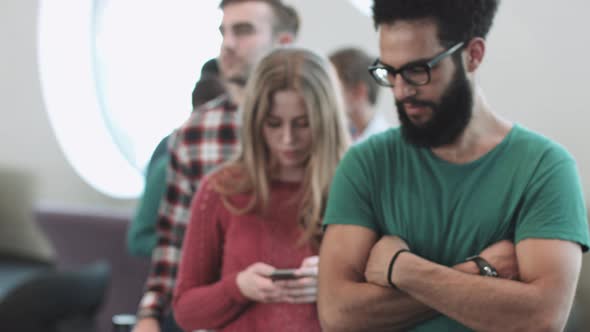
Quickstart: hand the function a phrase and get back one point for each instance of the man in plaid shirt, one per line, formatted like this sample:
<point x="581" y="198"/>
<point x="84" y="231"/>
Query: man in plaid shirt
<point x="250" y="29"/>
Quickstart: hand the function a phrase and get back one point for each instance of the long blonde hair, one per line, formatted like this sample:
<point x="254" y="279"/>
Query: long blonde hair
<point x="314" y="78"/>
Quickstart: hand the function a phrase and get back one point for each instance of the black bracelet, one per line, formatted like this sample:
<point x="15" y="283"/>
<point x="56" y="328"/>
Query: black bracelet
<point x="390" y="269"/>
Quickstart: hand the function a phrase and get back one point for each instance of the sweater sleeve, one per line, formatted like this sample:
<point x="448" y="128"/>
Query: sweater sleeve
<point x="141" y="236"/>
<point x="203" y="298"/>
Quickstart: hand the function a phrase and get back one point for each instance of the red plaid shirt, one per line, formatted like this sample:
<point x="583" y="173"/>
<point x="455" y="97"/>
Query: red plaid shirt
<point x="208" y="138"/>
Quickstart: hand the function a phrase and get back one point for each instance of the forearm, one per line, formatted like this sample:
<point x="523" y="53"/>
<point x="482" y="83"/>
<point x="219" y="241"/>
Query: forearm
<point x="362" y="306"/>
<point x="481" y="303"/>
<point x="208" y="306"/>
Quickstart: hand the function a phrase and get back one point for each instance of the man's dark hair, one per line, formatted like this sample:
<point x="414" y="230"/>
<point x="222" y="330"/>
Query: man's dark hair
<point x="286" y="18"/>
<point x="457" y="20"/>
<point x="210" y="67"/>
<point x="351" y="65"/>
<point x="207" y="89"/>
<point x="209" y="85"/>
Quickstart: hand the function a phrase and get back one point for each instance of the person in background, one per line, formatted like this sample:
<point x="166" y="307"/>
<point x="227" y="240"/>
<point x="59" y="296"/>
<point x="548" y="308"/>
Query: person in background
<point x="210" y="86"/>
<point x="360" y="92"/>
<point x="459" y="220"/>
<point x="141" y="235"/>
<point x="250" y="29"/>
<point x="263" y="210"/>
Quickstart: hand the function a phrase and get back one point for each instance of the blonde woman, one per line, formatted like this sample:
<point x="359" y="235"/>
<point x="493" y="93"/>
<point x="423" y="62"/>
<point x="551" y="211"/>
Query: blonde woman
<point x="262" y="211"/>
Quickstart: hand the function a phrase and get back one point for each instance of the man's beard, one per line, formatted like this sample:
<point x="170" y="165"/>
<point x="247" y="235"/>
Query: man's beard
<point x="449" y="119"/>
<point x="238" y="77"/>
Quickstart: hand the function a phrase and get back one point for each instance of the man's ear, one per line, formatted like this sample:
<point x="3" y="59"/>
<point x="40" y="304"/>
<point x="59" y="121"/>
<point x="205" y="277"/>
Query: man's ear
<point x="285" y="38"/>
<point x="361" y="91"/>
<point x="474" y="53"/>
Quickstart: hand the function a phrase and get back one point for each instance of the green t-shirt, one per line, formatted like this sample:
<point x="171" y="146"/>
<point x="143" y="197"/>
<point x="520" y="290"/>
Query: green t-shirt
<point x="141" y="235"/>
<point x="526" y="187"/>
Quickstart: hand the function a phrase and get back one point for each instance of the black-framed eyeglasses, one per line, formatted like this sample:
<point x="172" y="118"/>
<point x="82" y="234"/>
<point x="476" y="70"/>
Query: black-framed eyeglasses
<point x="415" y="73"/>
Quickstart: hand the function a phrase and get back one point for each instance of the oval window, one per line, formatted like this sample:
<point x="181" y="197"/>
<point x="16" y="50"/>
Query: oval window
<point x="117" y="77"/>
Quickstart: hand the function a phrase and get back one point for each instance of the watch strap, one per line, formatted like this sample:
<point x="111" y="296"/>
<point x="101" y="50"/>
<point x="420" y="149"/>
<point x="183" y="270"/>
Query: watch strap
<point x="485" y="268"/>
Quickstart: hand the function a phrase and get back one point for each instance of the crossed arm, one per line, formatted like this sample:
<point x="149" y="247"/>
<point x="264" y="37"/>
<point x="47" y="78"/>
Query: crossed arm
<point x="350" y="255"/>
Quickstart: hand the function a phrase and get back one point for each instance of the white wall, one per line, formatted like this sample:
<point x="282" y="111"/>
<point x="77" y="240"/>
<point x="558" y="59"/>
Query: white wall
<point x="534" y="73"/>
<point x="537" y="71"/>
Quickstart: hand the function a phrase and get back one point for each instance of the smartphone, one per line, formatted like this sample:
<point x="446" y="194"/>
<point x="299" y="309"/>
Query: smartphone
<point x="284" y="274"/>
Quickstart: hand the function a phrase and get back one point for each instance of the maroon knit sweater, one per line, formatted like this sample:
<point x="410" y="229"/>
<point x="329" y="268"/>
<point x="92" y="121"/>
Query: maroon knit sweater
<point x="219" y="244"/>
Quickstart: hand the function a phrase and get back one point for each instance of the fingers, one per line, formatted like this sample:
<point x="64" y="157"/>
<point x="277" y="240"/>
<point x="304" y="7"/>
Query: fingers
<point x="303" y="290"/>
<point x="262" y="269"/>
<point x="309" y="267"/>
<point x="302" y="295"/>
<point x="265" y="284"/>
<point x="268" y="291"/>
<point x="269" y="296"/>
<point x="300" y="292"/>
<point x="311" y="261"/>
<point x="307" y="271"/>
<point x="255" y="284"/>
<point x="300" y="300"/>
<point x="290" y="291"/>
<point x="297" y="283"/>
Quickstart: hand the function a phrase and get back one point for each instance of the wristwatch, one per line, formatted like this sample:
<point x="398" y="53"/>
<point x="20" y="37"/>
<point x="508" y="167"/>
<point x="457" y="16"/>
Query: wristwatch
<point x="485" y="268"/>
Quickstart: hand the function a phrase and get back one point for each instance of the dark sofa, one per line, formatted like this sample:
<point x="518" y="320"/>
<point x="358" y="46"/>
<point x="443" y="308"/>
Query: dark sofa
<point x="81" y="237"/>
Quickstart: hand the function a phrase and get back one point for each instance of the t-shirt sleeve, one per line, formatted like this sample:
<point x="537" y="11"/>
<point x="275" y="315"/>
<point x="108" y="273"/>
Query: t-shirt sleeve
<point x="349" y="201"/>
<point x="141" y="237"/>
<point x="553" y="206"/>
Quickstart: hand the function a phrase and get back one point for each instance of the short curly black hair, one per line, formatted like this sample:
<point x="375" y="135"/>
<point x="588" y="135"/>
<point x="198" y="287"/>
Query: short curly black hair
<point x="457" y="20"/>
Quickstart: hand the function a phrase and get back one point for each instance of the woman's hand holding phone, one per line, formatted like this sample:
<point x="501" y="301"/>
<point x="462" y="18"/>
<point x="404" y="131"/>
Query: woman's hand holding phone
<point x="255" y="284"/>
<point x="261" y="282"/>
<point x="304" y="288"/>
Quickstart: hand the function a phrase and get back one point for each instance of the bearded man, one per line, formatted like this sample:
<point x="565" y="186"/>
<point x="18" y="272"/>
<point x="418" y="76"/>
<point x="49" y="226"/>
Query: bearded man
<point x="459" y="220"/>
